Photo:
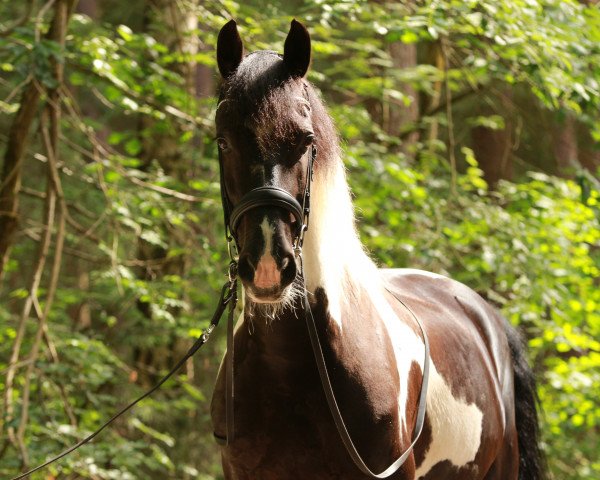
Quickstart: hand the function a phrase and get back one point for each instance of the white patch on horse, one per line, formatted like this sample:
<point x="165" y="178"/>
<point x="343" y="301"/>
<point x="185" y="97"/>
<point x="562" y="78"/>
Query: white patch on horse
<point x="266" y="273"/>
<point x="408" y="347"/>
<point x="331" y="243"/>
<point x="456" y="426"/>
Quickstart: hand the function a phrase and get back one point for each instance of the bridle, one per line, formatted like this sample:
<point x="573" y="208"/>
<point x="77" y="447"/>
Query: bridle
<point x="267" y="196"/>
<point x="271" y="196"/>
<point x="264" y="196"/>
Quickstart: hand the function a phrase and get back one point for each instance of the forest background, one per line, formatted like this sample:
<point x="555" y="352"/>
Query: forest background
<point x="471" y="133"/>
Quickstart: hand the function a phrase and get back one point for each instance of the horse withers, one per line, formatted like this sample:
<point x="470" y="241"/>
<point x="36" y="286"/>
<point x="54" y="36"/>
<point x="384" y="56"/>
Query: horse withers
<point x="281" y="169"/>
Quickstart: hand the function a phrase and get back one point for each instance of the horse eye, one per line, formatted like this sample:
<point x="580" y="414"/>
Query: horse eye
<point x="309" y="139"/>
<point x="304" y="139"/>
<point x="222" y="144"/>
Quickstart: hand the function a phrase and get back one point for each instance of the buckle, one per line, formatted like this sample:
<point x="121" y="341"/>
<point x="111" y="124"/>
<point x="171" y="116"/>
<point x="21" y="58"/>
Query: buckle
<point x="233" y="251"/>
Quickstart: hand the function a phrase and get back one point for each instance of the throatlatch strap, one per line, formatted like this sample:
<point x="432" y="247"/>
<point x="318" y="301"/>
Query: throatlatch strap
<point x="335" y="410"/>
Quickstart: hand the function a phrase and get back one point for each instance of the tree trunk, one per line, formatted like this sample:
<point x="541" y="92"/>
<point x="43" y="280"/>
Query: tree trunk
<point x="89" y="8"/>
<point x="11" y="172"/>
<point x="434" y="56"/>
<point x="398" y="116"/>
<point x="493" y="148"/>
<point x="565" y="145"/>
<point x="10" y="179"/>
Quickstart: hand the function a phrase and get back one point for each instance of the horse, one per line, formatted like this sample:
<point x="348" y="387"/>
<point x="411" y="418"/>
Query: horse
<point x="399" y="346"/>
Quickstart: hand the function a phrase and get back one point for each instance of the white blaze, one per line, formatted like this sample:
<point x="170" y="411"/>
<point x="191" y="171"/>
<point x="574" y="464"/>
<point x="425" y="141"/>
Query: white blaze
<point x="267" y="274"/>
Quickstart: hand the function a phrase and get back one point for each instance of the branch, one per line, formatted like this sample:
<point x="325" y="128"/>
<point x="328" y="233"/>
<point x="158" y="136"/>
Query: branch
<point x="99" y="147"/>
<point x="148" y="100"/>
<point x="85" y="232"/>
<point x="135" y="262"/>
<point x="25" y="312"/>
<point x="478" y="88"/>
<point x="163" y="190"/>
<point x="61" y="388"/>
<point x="20" y="22"/>
<point x="54" y="184"/>
<point x="56" y="33"/>
<point x="10" y="176"/>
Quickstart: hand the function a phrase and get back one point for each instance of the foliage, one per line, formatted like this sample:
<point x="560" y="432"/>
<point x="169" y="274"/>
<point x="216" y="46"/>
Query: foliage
<point x="144" y="254"/>
<point x="541" y="269"/>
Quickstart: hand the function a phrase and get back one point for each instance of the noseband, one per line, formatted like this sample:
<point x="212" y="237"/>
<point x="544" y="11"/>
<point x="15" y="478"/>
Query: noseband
<point x="269" y="196"/>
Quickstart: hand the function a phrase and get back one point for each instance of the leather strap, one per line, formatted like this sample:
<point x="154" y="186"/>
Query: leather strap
<point x="229" y="371"/>
<point x="228" y="297"/>
<point x="335" y="410"/>
<point x="266" y="197"/>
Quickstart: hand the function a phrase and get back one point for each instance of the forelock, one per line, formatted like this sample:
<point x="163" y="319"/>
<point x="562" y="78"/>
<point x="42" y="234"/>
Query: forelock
<point x="264" y="97"/>
<point x="253" y="81"/>
<point x="261" y="88"/>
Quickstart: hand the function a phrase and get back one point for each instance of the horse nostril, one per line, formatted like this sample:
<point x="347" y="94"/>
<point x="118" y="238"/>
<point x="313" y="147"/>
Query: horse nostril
<point x="288" y="270"/>
<point x="245" y="268"/>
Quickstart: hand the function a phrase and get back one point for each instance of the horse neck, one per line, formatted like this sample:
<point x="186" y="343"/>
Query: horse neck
<point x="333" y="256"/>
<point x="333" y="261"/>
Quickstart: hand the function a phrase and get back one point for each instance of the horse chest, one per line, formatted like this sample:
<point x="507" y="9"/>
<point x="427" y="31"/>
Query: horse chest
<point x="284" y="429"/>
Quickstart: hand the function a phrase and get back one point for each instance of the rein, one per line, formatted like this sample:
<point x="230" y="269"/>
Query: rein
<point x="277" y="197"/>
<point x="335" y="409"/>
<point x="227" y="297"/>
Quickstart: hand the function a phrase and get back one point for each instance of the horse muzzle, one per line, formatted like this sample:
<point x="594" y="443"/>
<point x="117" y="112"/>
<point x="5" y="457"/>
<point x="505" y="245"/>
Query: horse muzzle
<point x="267" y="275"/>
<point x="267" y="280"/>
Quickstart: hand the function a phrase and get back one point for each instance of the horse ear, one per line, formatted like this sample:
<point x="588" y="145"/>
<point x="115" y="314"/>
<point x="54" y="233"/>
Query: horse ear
<point x="230" y="49"/>
<point x="296" y="50"/>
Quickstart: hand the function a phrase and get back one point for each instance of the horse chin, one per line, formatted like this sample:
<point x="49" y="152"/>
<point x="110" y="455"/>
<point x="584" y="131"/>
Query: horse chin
<point x="266" y="297"/>
<point x="272" y="302"/>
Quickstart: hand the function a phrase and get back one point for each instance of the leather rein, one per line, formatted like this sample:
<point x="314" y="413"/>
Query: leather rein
<point x="273" y="197"/>
<point x="276" y="197"/>
<point x="228" y="297"/>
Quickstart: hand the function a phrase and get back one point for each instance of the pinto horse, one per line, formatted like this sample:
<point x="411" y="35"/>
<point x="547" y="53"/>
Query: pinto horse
<point x="386" y="346"/>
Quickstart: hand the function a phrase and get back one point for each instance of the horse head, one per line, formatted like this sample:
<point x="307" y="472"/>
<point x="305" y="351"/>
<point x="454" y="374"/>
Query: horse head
<point x="266" y="141"/>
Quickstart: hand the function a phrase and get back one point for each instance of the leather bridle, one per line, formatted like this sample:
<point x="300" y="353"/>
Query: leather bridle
<point x="268" y="196"/>
<point x="272" y="196"/>
<point x="264" y="196"/>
